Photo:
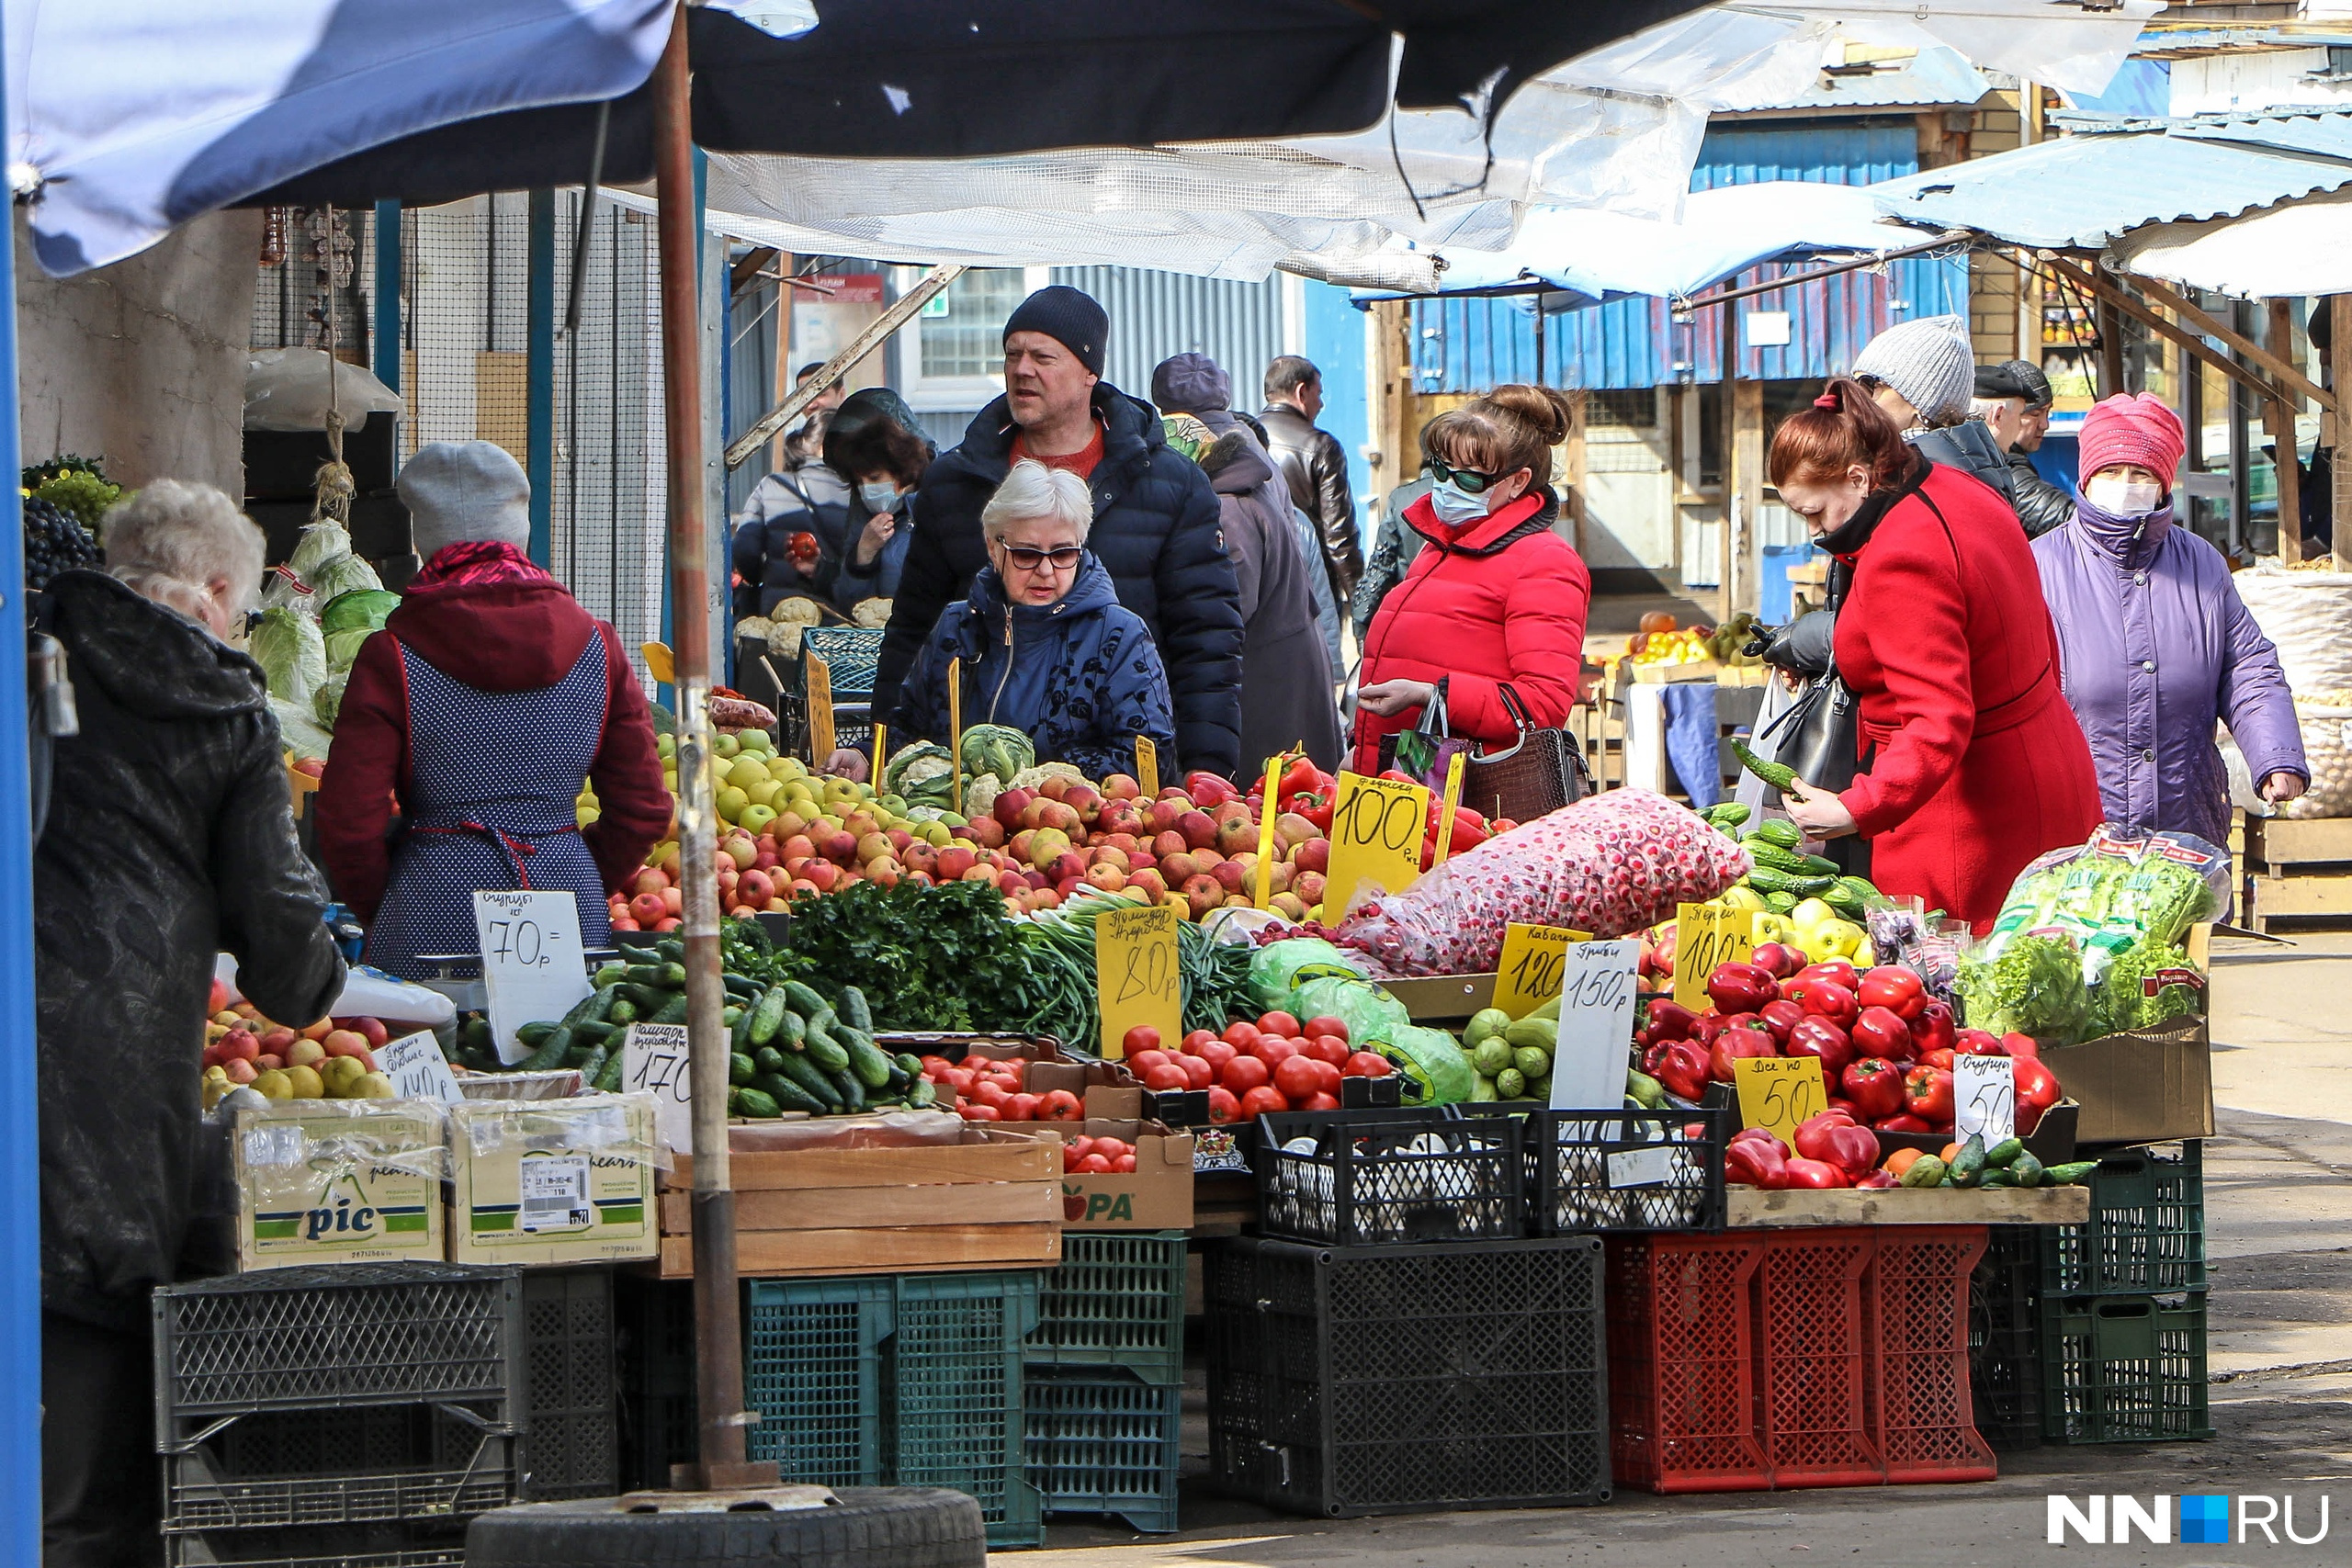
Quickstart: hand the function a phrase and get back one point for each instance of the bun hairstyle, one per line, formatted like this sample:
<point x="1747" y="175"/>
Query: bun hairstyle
<point x="1844" y="427"/>
<point x="1514" y="426"/>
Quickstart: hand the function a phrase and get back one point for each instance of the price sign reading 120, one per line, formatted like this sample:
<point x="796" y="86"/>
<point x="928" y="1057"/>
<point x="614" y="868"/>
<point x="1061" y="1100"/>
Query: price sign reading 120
<point x="1378" y="826"/>
<point x="1533" y="959"/>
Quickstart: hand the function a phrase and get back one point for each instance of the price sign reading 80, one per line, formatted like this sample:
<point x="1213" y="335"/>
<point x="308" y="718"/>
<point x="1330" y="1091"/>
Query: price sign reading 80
<point x="1135" y="978"/>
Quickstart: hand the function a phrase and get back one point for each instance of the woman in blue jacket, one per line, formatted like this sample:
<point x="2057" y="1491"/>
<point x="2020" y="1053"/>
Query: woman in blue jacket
<point x="1045" y="647"/>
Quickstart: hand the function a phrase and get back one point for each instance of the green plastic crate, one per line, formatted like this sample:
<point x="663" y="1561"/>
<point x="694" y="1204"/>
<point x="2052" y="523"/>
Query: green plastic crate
<point x="953" y="1357"/>
<point x="2146" y="1232"/>
<point x="813" y="1370"/>
<point x="1102" y="1441"/>
<point x="2124" y="1369"/>
<point x="1116" y="1299"/>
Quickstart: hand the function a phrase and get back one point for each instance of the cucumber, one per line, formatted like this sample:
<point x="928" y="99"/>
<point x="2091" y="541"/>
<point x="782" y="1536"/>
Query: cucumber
<point x="1819" y="865"/>
<point x="740" y="1069"/>
<point x="1780" y="775"/>
<point x="768" y="1017"/>
<point x="650" y="999"/>
<point x="804" y="1001"/>
<point x="475" y="1033"/>
<point x="787" y="1094"/>
<point x="922" y="1094"/>
<point x="1926" y="1171"/>
<point x="1781" y="831"/>
<point x="825" y="1050"/>
<point x="852" y="1092"/>
<point x="549" y="1056"/>
<point x="670" y="949"/>
<point x="608" y="1077"/>
<point x="1780" y="903"/>
<point x="854" y="1010"/>
<point x="1810" y="886"/>
<point x="643" y="974"/>
<point x="535" y="1034"/>
<point x="793" y="1034"/>
<point x="624" y="1012"/>
<point x="866" y="1059"/>
<point x="812" y="1082"/>
<point x="2006" y="1152"/>
<point x="729" y="1015"/>
<point x="1968" y="1166"/>
<point x="610" y="975"/>
<point x="908" y="1063"/>
<point x="738" y="1033"/>
<point x="1764" y="852"/>
<point x="2026" y="1170"/>
<point x="752" y="1102"/>
<point x="1725" y="812"/>
<point x="593" y="1033"/>
<point x="769" y="1058"/>
<point x="592" y="1064"/>
<point x="741" y="986"/>
<point x="1766" y="880"/>
<point x="673" y="1011"/>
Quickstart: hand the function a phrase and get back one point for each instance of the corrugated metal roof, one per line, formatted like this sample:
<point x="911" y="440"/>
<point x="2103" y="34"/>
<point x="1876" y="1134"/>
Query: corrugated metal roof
<point x="1157" y="314"/>
<point x="2081" y="191"/>
<point x="1934" y="75"/>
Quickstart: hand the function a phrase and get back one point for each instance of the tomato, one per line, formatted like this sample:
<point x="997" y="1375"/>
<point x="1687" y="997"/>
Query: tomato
<point x="1328" y="1048"/>
<point x="1260" y="1100"/>
<point x="958" y="1079"/>
<point x="991" y="1093"/>
<point x="1320" y="1102"/>
<point x="1239" y="1034"/>
<point x="1022" y="1108"/>
<point x="1112" y="1148"/>
<point x="1125" y="1165"/>
<point x="1324" y="1023"/>
<point x="1060" y="1105"/>
<point x="1327" y="1077"/>
<point x="1164" y="1077"/>
<point x="1142" y="1037"/>
<point x="1194" y="1040"/>
<point x="1274" y="1052"/>
<point x="978" y="1113"/>
<point x="1197" y="1070"/>
<point x="1368" y="1065"/>
<point x="1079" y="1147"/>
<point x="1243" y="1074"/>
<point x="1095" y="1165"/>
<point x="1217" y="1052"/>
<point x="934" y="1066"/>
<point x="1280" y="1023"/>
<point x="1142" y="1061"/>
<point x="1297" y="1078"/>
<point x="1223" y="1106"/>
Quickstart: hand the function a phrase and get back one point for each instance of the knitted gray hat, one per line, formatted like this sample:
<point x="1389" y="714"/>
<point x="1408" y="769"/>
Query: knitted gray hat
<point x="457" y="492"/>
<point x="1930" y="362"/>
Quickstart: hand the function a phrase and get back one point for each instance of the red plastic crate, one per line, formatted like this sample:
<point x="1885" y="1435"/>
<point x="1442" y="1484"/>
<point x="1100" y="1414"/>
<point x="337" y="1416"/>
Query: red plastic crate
<point x="1820" y="1357"/>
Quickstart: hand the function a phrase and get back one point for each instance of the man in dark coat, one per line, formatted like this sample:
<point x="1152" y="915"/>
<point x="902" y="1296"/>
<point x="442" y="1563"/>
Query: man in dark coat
<point x="2014" y="399"/>
<point x="1155" y="520"/>
<point x="169" y="840"/>
<point x="1286" y="673"/>
<point x="1316" y="465"/>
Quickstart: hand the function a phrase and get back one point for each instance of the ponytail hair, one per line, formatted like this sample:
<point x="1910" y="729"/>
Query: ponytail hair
<point x="1844" y="427"/>
<point x="1514" y="426"/>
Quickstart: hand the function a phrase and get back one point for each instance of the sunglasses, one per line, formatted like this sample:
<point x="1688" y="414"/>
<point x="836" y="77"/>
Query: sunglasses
<point x="1024" y="558"/>
<point x="1469" y="482"/>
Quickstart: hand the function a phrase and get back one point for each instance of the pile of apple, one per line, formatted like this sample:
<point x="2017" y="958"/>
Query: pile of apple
<point x="1277" y="1064"/>
<point x="332" y="1059"/>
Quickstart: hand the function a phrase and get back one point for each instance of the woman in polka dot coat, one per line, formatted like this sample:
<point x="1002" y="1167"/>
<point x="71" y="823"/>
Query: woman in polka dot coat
<point x="467" y="724"/>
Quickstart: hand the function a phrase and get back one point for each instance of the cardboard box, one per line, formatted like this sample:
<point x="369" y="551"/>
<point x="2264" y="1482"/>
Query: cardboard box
<point x="2142" y="1085"/>
<point x="1156" y="1196"/>
<point x="339" y="1181"/>
<point x="990" y="1200"/>
<point x="1439" y="999"/>
<point x="552" y="1181"/>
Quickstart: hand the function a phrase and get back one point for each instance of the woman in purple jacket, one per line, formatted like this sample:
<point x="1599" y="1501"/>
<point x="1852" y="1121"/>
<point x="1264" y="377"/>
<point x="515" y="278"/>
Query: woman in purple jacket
<point x="2154" y="645"/>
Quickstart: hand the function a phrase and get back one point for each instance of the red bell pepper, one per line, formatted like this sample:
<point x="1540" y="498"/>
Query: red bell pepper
<point x="2038" y="1090"/>
<point x="1937" y="1059"/>
<point x="1779" y="1018"/>
<point x="1814" y="1174"/>
<point x="1935" y="1029"/>
<point x="1682" y="1070"/>
<point x="1300" y="776"/>
<point x="1707" y="1025"/>
<point x="1752" y="1162"/>
<point x="1976" y="1042"/>
<point x="1878" y="1181"/>
<point x="1470" y="829"/>
<point x="1819" y="1037"/>
<point x="2015" y="1045"/>
<point x="1831" y="1137"/>
<point x="1837" y="971"/>
<point x="1208" y="789"/>
<point x="1776" y="960"/>
<point x="1316" y="807"/>
<point x="1927" y="1094"/>
<point x="1731" y="1045"/>
<point x="1895" y="989"/>
<point x="1825" y="999"/>
<point x="1670" y="1020"/>
<point x="1837" y="1103"/>
<point x="1741" y="988"/>
<point x="1874" y="1086"/>
<point x="1878" y="1032"/>
<point x="1906" y="1122"/>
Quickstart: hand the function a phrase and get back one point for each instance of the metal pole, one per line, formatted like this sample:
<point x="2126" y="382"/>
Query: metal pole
<point x="385" y="335"/>
<point x="719" y="1345"/>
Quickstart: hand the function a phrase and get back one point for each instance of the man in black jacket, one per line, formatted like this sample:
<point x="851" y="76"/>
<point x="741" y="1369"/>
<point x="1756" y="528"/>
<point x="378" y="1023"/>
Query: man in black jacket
<point x="2014" y="399"/>
<point x="1312" y="461"/>
<point x="1156" y="525"/>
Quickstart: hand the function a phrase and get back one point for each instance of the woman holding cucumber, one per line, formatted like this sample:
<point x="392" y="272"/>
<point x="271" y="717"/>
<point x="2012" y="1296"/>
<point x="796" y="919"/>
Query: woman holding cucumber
<point x="1970" y="763"/>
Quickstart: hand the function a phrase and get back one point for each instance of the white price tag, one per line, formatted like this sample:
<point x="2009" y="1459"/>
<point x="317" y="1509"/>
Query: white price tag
<point x="654" y="1060"/>
<point x="1651" y="1167"/>
<point x="418" y="1070"/>
<point x="554" y="1191"/>
<point x="1596" y="1025"/>
<point x="531" y="961"/>
<point x="1984" y="1097"/>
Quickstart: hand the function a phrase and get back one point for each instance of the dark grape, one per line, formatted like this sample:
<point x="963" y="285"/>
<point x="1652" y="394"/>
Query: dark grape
<point x="54" y="542"/>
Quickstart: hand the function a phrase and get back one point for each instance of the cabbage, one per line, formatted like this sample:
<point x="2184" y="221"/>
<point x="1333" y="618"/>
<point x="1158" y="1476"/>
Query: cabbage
<point x="1432" y="1063"/>
<point x="321" y="543"/>
<point x="922" y="773"/>
<point x="297" y="732"/>
<point x="343" y="648"/>
<point x="328" y="699"/>
<point x="369" y="607"/>
<point x="291" y="651"/>
<point x="344" y="574"/>
<point x="1277" y="967"/>
<point x="996" y="749"/>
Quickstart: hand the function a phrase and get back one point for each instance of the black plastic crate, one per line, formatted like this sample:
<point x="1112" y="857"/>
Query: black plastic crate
<point x="341" y="1546"/>
<point x="442" y="1477"/>
<point x="2146" y="1232"/>
<point x="1596" y="1171"/>
<point x="658" y="1399"/>
<point x="2004" y="1338"/>
<point x="2124" y="1369"/>
<point x="1102" y="1440"/>
<point x="1377" y="1178"/>
<point x="571" y="1441"/>
<point x="1346" y="1381"/>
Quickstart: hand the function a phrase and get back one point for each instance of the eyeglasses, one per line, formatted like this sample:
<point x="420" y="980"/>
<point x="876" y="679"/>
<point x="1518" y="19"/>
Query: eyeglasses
<point x="1024" y="558"/>
<point x="1469" y="482"/>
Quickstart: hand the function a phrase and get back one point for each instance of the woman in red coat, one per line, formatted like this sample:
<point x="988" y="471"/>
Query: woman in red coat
<point x="1972" y="762"/>
<point x="1496" y="599"/>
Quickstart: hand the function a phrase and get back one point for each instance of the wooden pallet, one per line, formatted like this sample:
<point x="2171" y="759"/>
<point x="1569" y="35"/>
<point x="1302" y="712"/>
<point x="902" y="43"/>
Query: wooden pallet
<point x="2298" y="870"/>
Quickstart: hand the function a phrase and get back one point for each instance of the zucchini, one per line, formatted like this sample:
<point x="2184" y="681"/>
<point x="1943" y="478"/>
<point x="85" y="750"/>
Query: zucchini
<point x="854" y="1010"/>
<point x="752" y="1102"/>
<point x="768" y="1017"/>
<point x="787" y="1094"/>
<point x="740" y="1069"/>
<point x="852" y="1091"/>
<point x="813" y="1083"/>
<point x="825" y="1050"/>
<point x="804" y="1001"/>
<point x="866" y="1059"/>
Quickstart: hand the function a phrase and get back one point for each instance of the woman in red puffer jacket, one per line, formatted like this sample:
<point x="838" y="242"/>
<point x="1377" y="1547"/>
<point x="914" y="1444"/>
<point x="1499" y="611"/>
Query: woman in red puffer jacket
<point x="1496" y="599"/>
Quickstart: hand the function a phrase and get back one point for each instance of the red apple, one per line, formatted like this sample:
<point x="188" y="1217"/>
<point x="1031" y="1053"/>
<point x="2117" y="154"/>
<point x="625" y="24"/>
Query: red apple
<point x="1199" y="829"/>
<point x="646" y="909"/>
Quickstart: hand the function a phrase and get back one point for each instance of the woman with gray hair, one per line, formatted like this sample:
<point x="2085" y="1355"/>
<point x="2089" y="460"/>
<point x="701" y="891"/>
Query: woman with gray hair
<point x="1043" y="644"/>
<point x="169" y="839"/>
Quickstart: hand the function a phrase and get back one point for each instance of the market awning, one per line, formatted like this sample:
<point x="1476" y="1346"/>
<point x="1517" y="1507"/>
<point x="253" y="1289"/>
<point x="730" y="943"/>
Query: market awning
<point x="2082" y="191"/>
<point x="2297" y="248"/>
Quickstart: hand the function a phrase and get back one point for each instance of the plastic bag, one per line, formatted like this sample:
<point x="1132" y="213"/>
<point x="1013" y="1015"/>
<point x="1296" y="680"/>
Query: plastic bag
<point x="1432" y="1063"/>
<point x="1370" y="1014"/>
<point x="1610" y="864"/>
<point x="285" y="388"/>
<point x="1279" y="967"/>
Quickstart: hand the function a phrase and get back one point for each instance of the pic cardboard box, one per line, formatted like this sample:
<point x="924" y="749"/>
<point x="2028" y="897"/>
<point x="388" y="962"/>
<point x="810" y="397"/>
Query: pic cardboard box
<point x="339" y="1181"/>
<point x="553" y="1180"/>
<point x="2142" y="1085"/>
<point x="1156" y="1196"/>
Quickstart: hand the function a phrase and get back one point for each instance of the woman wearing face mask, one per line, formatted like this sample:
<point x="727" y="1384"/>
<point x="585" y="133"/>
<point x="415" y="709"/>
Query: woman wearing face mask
<point x="1971" y="762"/>
<point x="877" y="445"/>
<point x="2154" y="642"/>
<point x="1495" y="598"/>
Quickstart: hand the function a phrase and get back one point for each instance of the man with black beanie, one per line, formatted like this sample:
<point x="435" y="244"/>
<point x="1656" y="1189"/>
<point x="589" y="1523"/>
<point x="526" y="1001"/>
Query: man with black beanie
<point x="1155" y="523"/>
<point x="2015" y="399"/>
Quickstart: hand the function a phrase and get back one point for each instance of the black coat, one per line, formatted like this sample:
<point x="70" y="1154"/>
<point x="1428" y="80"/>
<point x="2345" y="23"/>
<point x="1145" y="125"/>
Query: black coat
<point x="1155" y="530"/>
<point x="2041" y="505"/>
<point x="170" y="838"/>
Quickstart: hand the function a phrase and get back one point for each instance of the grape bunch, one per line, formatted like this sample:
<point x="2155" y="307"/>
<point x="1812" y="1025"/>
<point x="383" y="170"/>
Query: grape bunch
<point x="54" y="542"/>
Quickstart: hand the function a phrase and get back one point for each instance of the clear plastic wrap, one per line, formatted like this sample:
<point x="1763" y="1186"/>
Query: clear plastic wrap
<point x="1611" y="864"/>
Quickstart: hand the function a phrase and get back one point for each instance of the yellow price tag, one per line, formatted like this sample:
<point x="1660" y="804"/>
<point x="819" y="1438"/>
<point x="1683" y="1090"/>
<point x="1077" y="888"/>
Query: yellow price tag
<point x="955" y="711"/>
<point x="1148" y="767"/>
<point x="1135" y="975"/>
<point x="881" y="755"/>
<point x="1704" y="936"/>
<point x="1452" y="804"/>
<point x="1777" y="1092"/>
<point x="1376" y="828"/>
<point x="1266" y="815"/>
<point x="1532" y="962"/>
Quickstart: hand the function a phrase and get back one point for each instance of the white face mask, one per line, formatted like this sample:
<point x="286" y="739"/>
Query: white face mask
<point x="1455" y="506"/>
<point x="879" y="495"/>
<point x="2120" y="497"/>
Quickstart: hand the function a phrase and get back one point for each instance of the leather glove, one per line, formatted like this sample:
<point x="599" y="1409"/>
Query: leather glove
<point x="1803" y="647"/>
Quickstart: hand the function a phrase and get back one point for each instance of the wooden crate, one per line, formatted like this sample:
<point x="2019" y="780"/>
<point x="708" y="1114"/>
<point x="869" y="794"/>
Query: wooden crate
<point x="991" y="1201"/>
<point x="1752" y="1207"/>
<point x="2299" y="870"/>
<point x="1600" y="726"/>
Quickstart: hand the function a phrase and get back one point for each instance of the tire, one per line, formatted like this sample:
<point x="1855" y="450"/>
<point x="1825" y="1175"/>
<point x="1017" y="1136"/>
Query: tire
<point x="901" y="1526"/>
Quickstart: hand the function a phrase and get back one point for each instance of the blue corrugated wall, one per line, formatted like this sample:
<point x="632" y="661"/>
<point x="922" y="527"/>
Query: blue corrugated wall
<point x="1470" y="345"/>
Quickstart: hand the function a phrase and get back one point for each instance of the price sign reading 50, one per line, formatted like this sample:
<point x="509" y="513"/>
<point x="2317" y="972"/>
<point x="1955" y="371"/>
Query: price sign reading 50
<point x="1378" y="826"/>
<point x="1776" y="1093"/>
<point x="1984" y="1097"/>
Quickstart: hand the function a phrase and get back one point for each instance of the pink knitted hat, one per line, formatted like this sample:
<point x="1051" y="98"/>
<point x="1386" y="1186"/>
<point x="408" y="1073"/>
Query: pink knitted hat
<point x="2128" y="429"/>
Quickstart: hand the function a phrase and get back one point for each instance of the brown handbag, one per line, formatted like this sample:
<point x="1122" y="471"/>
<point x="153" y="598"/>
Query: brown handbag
<point x="1538" y="772"/>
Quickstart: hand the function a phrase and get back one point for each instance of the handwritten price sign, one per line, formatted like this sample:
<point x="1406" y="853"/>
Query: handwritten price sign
<point x="1377" y="831"/>
<point x="1596" y="1021"/>
<point x="654" y="1061"/>
<point x="1534" y="957"/>
<point x="1135" y="975"/>
<point x="1984" y="1097"/>
<point x="531" y="960"/>
<point x="1704" y="936"/>
<point x="1777" y="1092"/>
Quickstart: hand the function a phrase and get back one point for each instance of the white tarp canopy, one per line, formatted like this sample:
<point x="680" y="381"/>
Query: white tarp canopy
<point x="2296" y="248"/>
<point x="1617" y="128"/>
